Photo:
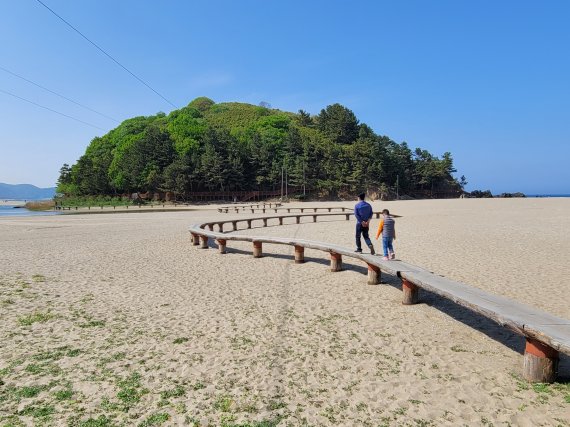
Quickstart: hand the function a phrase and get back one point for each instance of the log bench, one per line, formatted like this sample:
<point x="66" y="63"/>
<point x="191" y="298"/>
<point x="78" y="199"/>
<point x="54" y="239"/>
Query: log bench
<point x="546" y="335"/>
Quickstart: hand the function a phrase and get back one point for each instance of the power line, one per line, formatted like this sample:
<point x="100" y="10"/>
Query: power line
<point x="55" y="93"/>
<point x="109" y="56"/>
<point x="53" y="111"/>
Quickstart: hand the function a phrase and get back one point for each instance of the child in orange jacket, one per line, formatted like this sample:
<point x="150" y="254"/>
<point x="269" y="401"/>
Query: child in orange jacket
<point x="387" y="227"/>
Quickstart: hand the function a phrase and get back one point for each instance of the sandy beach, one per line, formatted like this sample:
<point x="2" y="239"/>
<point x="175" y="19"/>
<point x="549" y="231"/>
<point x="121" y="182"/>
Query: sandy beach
<point x="118" y="318"/>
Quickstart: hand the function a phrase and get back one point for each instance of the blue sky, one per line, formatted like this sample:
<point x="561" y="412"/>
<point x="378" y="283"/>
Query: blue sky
<point x="488" y="81"/>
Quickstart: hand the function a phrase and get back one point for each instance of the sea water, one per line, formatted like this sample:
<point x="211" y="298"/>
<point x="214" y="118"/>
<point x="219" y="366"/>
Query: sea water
<point x="9" y="210"/>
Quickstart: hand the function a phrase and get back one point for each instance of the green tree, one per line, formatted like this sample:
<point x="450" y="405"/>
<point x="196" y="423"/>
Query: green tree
<point x="338" y="123"/>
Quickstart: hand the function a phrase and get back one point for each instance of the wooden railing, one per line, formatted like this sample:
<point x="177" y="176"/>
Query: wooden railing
<point x="276" y="208"/>
<point x="546" y="335"/>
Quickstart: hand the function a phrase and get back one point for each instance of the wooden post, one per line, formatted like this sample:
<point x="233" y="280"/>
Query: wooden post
<point x="280" y="220"/>
<point x="299" y="254"/>
<point x="222" y="245"/>
<point x="329" y="209"/>
<point x="374" y="275"/>
<point x="264" y="209"/>
<point x="302" y="210"/>
<point x="275" y="210"/>
<point x="315" y="209"/>
<point x="234" y="225"/>
<point x="221" y="227"/>
<point x="288" y="210"/>
<point x="336" y="262"/>
<point x="314" y="218"/>
<point x="410" y="292"/>
<point x="211" y="227"/>
<point x="195" y="239"/>
<point x="265" y="222"/>
<point x="204" y="240"/>
<point x="257" y="249"/>
<point x="347" y="217"/>
<point x="540" y="362"/>
<point x="298" y="219"/>
<point x="249" y="223"/>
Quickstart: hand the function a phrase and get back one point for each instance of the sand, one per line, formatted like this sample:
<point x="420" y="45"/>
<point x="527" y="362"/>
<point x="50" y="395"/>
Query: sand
<point x="118" y="318"/>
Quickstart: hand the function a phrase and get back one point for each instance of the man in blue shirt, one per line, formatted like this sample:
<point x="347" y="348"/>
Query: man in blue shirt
<point x="363" y="214"/>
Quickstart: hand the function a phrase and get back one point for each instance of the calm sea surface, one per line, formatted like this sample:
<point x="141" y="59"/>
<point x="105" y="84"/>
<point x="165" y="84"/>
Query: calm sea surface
<point x="12" y="211"/>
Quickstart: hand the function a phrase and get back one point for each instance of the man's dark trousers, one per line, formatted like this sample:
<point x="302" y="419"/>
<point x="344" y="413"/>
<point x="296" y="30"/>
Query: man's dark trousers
<point x="360" y="230"/>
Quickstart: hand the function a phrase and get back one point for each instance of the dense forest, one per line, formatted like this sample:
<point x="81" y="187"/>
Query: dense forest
<point x="241" y="147"/>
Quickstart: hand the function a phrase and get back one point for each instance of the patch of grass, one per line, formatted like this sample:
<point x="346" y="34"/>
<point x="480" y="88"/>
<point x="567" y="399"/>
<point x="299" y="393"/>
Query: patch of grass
<point x="39" y="411"/>
<point x="155" y="420"/>
<point x="35" y="317"/>
<point x="38" y="278"/>
<point x="458" y="349"/>
<point x="223" y="403"/>
<point x="130" y="391"/>
<point x="175" y="392"/>
<point x="6" y="302"/>
<point x="63" y="394"/>
<point x="181" y="340"/>
<point x="198" y="386"/>
<point x="29" y="391"/>
<point x="541" y="388"/>
<point x="102" y="421"/>
<point x="57" y="353"/>
<point x="92" y="324"/>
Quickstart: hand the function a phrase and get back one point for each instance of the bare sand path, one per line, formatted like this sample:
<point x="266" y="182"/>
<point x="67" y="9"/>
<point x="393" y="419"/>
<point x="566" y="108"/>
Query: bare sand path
<point x="119" y="319"/>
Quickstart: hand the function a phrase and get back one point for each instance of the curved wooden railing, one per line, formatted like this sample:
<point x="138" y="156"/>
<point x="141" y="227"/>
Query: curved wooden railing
<point x="261" y="205"/>
<point x="546" y="335"/>
<point x="252" y="209"/>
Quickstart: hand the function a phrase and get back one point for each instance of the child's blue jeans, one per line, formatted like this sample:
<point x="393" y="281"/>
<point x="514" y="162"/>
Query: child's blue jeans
<point x="387" y="245"/>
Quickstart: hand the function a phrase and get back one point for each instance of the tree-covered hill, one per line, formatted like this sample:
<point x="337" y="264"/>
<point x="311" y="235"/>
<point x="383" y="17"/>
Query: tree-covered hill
<point x="237" y="147"/>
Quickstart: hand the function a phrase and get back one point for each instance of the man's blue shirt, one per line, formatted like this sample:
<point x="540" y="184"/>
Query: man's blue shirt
<point x="362" y="211"/>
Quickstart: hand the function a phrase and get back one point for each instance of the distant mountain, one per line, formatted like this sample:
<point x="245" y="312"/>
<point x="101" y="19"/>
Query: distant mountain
<point x="25" y="192"/>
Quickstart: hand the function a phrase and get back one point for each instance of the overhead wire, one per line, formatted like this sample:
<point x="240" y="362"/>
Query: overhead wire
<point x="57" y="94"/>
<point x="52" y="110"/>
<point x="105" y="53"/>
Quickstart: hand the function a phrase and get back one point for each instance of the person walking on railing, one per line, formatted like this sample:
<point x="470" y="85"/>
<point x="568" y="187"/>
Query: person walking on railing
<point x="363" y="214"/>
<point x="387" y="227"/>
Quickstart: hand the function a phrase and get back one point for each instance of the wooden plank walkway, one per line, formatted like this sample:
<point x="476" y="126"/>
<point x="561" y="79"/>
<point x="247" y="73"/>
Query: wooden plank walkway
<point x="546" y="335"/>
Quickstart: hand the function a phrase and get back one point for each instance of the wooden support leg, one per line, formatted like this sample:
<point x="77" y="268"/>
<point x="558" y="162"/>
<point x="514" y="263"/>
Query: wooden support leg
<point x="249" y="223"/>
<point x="265" y="222"/>
<point x="377" y="215"/>
<point x="222" y="246"/>
<point x="410" y="292"/>
<point x="540" y="362"/>
<point x="211" y="227"/>
<point x="288" y="210"/>
<point x="347" y="217"/>
<point x="329" y="209"/>
<point x="298" y="219"/>
<point x="314" y="218"/>
<point x="195" y="239"/>
<point x="221" y="227"/>
<point x="374" y="275"/>
<point x="336" y="262"/>
<point x="234" y="225"/>
<point x="280" y="221"/>
<point x="299" y="254"/>
<point x="302" y="209"/>
<point x="204" y="240"/>
<point x="315" y="209"/>
<point x="257" y="249"/>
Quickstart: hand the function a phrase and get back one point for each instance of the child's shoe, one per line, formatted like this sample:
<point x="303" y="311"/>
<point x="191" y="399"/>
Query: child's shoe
<point x="392" y="255"/>
<point x="385" y="258"/>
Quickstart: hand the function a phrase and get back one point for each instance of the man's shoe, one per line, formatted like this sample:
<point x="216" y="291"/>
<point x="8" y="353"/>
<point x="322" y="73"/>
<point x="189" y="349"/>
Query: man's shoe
<point x="372" y="252"/>
<point x="385" y="258"/>
<point x="359" y="251"/>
